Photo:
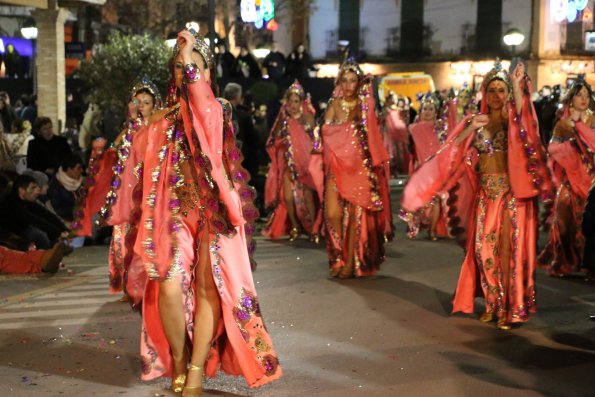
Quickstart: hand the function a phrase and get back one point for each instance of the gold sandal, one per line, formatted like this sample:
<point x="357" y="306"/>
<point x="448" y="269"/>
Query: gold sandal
<point x="503" y="324"/>
<point x="178" y="381"/>
<point x="487" y="317"/>
<point x="346" y="272"/>
<point x="294" y="233"/>
<point x="193" y="391"/>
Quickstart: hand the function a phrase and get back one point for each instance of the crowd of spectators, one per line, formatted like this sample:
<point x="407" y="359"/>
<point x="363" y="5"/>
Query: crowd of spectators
<point x="40" y="183"/>
<point x="275" y="65"/>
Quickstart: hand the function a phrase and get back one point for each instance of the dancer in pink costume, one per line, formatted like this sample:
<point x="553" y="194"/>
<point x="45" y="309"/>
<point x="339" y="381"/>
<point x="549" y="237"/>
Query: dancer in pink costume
<point x="498" y="152"/>
<point x="571" y="152"/>
<point x="105" y="173"/>
<point x="357" y="216"/>
<point x="200" y="309"/>
<point x="461" y="106"/>
<point x="394" y="118"/>
<point x="295" y="181"/>
<point x="428" y="134"/>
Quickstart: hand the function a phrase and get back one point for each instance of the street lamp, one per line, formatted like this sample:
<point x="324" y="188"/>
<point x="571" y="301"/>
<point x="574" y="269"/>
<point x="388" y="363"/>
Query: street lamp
<point x="29" y="30"/>
<point x="512" y="38"/>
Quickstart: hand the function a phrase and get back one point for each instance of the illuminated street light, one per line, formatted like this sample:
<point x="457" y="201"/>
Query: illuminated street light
<point x="261" y="52"/>
<point x="29" y="30"/>
<point x="512" y="38"/>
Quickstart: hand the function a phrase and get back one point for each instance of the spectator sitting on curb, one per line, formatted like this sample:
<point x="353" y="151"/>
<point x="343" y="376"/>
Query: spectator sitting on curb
<point x="22" y="215"/>
<point x="47" y="150"/>
<point x="43" y="182"/>
<point x="65" y="188"/>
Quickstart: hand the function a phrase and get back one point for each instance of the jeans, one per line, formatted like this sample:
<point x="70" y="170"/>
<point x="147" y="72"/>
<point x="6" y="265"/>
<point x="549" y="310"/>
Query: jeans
<point x="37" y="236"/>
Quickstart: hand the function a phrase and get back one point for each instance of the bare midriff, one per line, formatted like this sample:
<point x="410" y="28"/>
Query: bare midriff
<point x="493" y="163"/>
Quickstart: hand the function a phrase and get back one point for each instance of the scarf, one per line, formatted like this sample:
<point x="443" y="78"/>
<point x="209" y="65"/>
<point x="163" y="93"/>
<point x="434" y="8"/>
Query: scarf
<point x="69" y="183"/>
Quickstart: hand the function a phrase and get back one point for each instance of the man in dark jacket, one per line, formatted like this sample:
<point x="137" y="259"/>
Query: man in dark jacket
<point x="247" y="137"/>
<point x="23" y="216"/>
<point x="66" y="187"/>
<point x="46" y="151"/>
<point x="274" y="62"/>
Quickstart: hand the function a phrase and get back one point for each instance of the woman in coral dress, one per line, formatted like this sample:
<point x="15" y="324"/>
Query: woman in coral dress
<point x="200" y="309"/>
<point x="428" y="134"/>
<point x="499" y="153"/>
<point x="394" y="118"/>
<point x="294" y="185"/>
<point x="357" y="216"/>
<point x="571" y="152"/>
<point x="105" y="171"/>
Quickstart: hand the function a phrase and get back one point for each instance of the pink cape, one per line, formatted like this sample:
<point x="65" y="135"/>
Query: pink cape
<point x="396" y="129"/>
<point x="356" y="159"/>
<point x="572" y="165"/>
<point x="290" y="148"/>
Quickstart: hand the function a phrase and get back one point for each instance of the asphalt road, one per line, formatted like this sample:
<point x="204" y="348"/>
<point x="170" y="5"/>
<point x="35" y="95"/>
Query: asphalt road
<point x="389" y="335"/>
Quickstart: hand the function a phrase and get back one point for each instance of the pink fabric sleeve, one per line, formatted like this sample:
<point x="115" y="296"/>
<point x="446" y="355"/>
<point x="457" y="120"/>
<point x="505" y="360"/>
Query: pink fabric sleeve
<point x="566" y="155"/>
<point x="397" y="129"/>
<point x="451" y="113"/>
<point x="156" y="205"/>
<point x="207" y="122"/>
<point x="375" y="141"/>
<point x="439" y="173"/>
<point x="528" y="171"/>
<point x="586" y="134"/>
<point x="123" y="204"/>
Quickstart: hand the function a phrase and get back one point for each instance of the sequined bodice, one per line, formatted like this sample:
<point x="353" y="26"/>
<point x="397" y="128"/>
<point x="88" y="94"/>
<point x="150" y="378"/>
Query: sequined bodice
<point x="488" y="142"/>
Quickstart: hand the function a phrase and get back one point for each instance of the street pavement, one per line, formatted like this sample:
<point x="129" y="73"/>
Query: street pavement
<point x="389" y="335"/>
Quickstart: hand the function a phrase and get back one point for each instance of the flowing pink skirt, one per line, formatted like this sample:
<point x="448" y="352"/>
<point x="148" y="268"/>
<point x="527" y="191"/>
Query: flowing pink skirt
<point x="242" y="346"/>
<point x="564" y="250"/>
<point x="507" y="293"/>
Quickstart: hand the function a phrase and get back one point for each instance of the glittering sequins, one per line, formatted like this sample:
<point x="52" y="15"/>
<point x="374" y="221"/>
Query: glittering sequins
<point x="189" y="197"/>
<point x="487" y="142"/>
<point x="246" y="308"/>
<point x="216" y="264"/>
<point x="494" y="184"/>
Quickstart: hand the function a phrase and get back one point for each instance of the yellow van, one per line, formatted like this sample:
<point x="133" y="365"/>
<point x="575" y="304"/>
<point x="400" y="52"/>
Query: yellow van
<point x="405" y="84"/>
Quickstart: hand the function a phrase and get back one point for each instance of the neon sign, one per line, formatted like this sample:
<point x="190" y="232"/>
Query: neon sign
<point x="568" y="10"/>
<point x="259" y="12"/>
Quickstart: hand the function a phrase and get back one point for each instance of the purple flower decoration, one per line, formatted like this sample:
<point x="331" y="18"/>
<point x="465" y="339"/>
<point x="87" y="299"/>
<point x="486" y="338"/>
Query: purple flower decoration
<point x="173" y="204"/>
<point x="537" y="181"/>
<point x="247" y="302"/>
<point x="247" y="194"/>
<point x="124" y="152"/>
<point x="242" y="315"/>
<point x="234" y="155"/>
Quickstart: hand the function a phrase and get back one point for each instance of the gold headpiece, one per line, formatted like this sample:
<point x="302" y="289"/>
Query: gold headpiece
<point x="497" y="73"/>
<point x="148" y="85"/>
<point x="350" y="65"/>
<point x="429" y="98"/>
<point x="297" y="89"/>
<point x="200" y="46"/>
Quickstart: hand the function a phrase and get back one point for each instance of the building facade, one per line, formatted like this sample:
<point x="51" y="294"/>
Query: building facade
<point x="454" y="40"/>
